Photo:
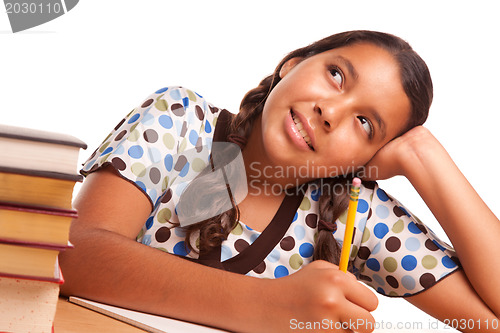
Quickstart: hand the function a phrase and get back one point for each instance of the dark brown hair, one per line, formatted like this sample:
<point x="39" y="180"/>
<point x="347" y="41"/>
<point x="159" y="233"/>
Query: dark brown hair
<point x="417" y="84"/>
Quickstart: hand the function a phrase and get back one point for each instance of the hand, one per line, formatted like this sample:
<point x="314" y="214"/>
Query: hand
<point x="320" y="293"/>
<point x="391" y="160"/>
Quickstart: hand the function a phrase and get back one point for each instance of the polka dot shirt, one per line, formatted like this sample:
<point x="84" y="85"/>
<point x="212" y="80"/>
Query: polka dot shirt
<point x="164" y="143"/>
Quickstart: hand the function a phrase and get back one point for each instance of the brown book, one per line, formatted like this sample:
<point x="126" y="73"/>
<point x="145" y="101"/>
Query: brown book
<point x="39" y="188"/>
<point x="29" y="260"/>
<point x="30" y="224"/>
<point x="29" y="305"/>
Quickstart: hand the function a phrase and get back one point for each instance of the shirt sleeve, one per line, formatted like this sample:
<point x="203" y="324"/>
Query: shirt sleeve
<point x="397" y="254"/>
<point x="160" y="142"/>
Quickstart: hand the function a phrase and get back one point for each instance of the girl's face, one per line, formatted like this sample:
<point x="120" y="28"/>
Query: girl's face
<point x="332" y="112"/>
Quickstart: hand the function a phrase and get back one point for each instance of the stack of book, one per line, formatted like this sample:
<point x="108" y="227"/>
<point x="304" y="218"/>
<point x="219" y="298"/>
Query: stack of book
<point x="37" y="178"/>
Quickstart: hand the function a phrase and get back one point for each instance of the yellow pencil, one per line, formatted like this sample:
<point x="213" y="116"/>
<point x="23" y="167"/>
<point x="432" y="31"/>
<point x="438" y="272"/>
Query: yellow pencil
<point x="349" y="226"/>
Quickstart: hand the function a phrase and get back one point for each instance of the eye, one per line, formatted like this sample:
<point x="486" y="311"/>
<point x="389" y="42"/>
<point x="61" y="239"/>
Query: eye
<point x="367" y="126"/>
<point x="337" y="75"/>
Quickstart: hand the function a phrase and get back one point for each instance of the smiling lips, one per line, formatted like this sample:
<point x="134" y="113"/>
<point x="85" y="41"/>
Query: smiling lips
<point x="299" y="126"/>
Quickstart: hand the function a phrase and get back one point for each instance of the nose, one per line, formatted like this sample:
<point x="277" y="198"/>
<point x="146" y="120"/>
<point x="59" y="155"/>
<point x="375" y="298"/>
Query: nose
<point x="330" y="112"/>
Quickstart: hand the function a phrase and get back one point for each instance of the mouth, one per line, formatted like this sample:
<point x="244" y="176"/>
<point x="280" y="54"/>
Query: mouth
<point x="300" y="127"/>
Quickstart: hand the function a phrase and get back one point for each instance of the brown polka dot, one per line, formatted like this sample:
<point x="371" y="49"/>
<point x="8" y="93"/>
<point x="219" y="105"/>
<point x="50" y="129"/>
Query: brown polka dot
<point x="456" y="260"/>
<point x="369" y="213"/>
<point x="199" y="112"/>
<point x="199" y="145"/>
<point x="183" y="130"/>
<point x="155" y="175"/>
<point x="312" y="220"/>
<point x="120" y="135"/>
<point x="398" y="211"/>
<point x="287" y="243"/>
<point x="150" y="135"/>
<point x="421" y="227"/>
<point x="167" y="196"/>
<point x="178" y="109"/>
<point x="353" y="234"/>
<point x="162" y="234"/>
<point x="429" y="244"/>
<point x="181" y="162"/>
<point x="365" y="278"/>
<point x="260" y="268"/>
<point x="240" y="245"/>
<point x="392" y="244"/>
<point x="119" y="124"/>
<point x="392" y="281"/>
<point x="213" y="109"/>
<point x="118" y="163"/>
<point x="94" y="168"/>
<point x="364" y="252"/>
<point x="427" y="280"/>
<point x="147" y="103"/>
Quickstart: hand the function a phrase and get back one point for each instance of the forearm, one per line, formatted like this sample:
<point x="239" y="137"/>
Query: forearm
<point x="110" y="268"/>
<point x="471" y="226"/>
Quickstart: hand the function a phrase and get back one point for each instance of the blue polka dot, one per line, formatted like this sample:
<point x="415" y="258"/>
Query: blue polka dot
<point x="141" y="185"/>
<point x="439" y="245"/>
<point x="280" y="271"/>
<point x="185" y="102"/>
<point x="380" y="230"/>
<point x="274" y="256"/>
<point x="107" y="151"/>
<point x="135" y="151"/>
<point x="248" y="227"/>
<point x="412" y="244"/>
<point x="376" y="248"/>
<point x="405" y="211"/>
<point x="300" y="232"/>
<point x="315" y="195"/>
<point x="169" y="162"/>
<point x="362" y="206"/>
<point x="225" y="253"/>
<point x="148" y="119"/>
<point x="295" y="217"/>
<point x="165" y="121"/>
<point x="154" y="154"/>
<point x="382" y="195"/>
<point x="134" y="118"/>
<point x="146" y="240"/>
<point x="159" y="91"/>
<point x="408" y="282"/>
<point x="175" y="94"/>
<point x="448" y="263"/>
<point x="119" y="150"/>
<point x="193" y="137"/>
<point x="208" y="127"/>
<point x="409" y="262"/>
<point x="149" y="222"/>
<point x="373" y="264"/>
<point x="378" y="279"/>
<point x="184" y="170"/>
<point x="306" y="250"/>
<point x="180" y="232"/>
<point x="413" y="228"/>
<point x="253" y="237"/>
<point x="382" y="211"/>
<point x="180" y="249"/>
<point x="381" y="291"/>
<point x="153" y="195"/>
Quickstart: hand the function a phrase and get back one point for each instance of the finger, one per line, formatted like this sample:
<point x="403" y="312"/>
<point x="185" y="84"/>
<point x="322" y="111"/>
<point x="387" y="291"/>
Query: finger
<point x="356" y="319"/>
<point x="359" y="294"/>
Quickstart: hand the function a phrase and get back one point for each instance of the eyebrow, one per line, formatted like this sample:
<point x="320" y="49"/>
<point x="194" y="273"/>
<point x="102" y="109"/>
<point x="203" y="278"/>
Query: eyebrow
<point x="380" y="122"/>
<point x="348" y="64"/>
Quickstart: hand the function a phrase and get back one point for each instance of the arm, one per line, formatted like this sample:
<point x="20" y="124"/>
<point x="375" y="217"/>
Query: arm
<point x="108" y="265"/>
<point x="455" y="204"/>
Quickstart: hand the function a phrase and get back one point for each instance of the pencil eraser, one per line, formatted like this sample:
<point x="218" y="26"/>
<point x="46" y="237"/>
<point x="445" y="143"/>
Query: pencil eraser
<point x="356" y="182"/>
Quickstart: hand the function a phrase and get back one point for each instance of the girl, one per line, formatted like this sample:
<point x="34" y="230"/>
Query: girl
<point x="352" y="103"/>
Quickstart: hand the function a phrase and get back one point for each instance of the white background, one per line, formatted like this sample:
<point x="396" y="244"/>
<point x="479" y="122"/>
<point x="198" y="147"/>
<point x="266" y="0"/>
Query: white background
<point x="81" y="73"/>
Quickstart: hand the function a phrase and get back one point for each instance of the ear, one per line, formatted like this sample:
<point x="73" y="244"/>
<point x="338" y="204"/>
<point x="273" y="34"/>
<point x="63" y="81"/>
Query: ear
<point x="288" y="65"/>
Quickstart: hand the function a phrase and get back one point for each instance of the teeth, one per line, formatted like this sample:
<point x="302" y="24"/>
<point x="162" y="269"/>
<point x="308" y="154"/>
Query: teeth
<point x="301" y="129"/>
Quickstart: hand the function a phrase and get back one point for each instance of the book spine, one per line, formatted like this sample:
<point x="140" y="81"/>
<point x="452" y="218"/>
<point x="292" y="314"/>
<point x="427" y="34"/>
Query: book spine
<point x="46" y="174"/>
